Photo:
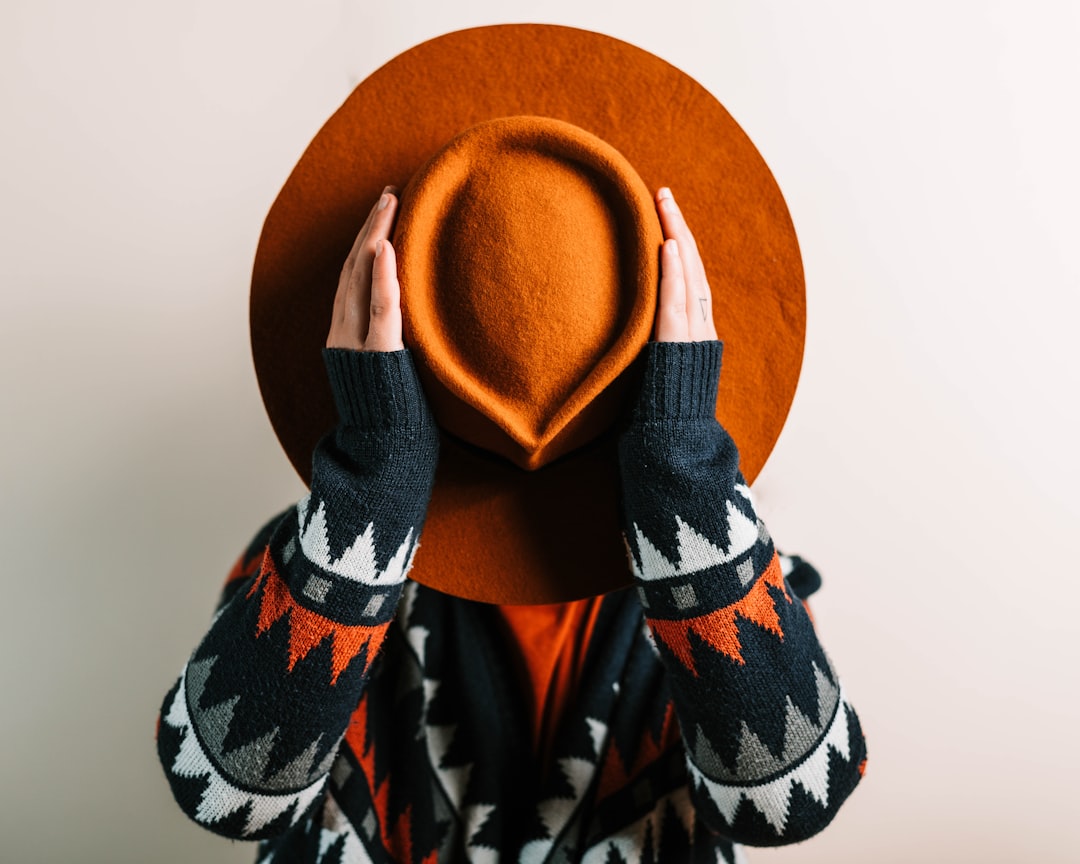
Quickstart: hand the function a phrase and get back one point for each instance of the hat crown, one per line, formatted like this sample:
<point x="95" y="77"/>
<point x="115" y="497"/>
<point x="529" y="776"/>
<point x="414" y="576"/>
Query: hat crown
<point x="528" y="263"/>
<point x="526" y="286"/>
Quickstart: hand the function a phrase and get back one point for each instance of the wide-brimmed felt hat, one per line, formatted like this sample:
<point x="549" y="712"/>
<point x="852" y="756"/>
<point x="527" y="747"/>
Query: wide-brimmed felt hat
<point x="528" y="250"/>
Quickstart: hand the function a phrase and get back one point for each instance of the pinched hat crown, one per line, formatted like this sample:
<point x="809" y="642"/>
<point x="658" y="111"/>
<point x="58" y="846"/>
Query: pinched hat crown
<point x="528" y="259"/>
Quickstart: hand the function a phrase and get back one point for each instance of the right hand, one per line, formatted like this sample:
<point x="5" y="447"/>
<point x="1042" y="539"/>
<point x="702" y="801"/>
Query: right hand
<point x="367" y="306"/>
<point x="684" y="312"/>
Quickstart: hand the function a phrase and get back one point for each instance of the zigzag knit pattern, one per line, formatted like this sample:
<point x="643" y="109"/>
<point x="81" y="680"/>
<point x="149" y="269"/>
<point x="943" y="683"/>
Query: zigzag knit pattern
<point x="786" y="749"/>
<point x="339" y="712"/>
<point x="254" y="724"/>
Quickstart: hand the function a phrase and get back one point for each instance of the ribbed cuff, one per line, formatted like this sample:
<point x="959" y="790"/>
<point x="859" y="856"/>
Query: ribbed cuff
<point x="681" y="380"/>
<point x="376" y="389"/>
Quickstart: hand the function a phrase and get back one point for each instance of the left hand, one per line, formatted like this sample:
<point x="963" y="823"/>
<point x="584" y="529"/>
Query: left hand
<point x="684" y="312"/>
<point x="367" y="306"/>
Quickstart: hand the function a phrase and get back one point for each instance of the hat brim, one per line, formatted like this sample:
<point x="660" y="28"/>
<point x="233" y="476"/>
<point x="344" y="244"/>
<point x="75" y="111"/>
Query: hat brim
<point x="494" y="532"/>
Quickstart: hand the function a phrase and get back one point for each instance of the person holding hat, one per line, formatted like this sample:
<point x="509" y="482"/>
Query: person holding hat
<point x="549" y="700"/>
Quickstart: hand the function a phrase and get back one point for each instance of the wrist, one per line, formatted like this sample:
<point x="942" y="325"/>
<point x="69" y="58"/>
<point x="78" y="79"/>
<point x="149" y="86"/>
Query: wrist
<point x="680" y="381"/>
<point x="378" y="391"/>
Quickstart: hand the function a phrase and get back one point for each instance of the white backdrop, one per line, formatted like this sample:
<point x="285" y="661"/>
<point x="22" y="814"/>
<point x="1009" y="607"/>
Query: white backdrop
<point x="928" y="467"/>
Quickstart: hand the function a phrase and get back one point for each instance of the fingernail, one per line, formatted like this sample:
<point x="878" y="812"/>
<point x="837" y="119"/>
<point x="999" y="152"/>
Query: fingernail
<point x="378" y="248"/>
<point x="664" y="193"/>
<point x="383" y="201"/>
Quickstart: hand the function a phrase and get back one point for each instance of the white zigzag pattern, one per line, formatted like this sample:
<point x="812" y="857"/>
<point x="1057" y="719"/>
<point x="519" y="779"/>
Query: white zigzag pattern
<point x="473" y="818"/>
<point x="598" y="731"/>
<point x="335" y="825"/>
<point x="773" y="799"/>
<point x="358" y="561"/>
<point x="556" y="813"/>
<point x="221" y="798"/>
<point x="695" y="551"/>
<point x="438" y="740"/>
<point x="454" y="779"/>
<point x="630" y="841"/>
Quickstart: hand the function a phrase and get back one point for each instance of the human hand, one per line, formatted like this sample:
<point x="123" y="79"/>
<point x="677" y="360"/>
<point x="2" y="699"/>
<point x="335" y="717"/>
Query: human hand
<point x="684" y="312"/>
<point x="367" y="306"/>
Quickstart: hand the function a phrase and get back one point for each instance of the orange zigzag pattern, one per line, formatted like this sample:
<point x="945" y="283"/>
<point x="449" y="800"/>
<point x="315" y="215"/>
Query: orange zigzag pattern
<point x="720" y="628"/>
<point x="308" y="629"/>
<point x="397" y="840"/>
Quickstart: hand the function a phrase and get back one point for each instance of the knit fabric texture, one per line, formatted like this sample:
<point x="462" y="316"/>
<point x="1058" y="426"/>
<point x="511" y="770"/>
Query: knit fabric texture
<point x="337" y="711"/>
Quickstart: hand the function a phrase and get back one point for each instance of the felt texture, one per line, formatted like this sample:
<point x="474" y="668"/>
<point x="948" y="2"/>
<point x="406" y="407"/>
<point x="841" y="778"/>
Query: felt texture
<point x="495" y="532"/>
<point x="527" y="252"/>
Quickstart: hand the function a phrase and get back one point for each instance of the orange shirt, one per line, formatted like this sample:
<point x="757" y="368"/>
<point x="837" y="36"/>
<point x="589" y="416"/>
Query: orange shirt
<point x="549" y="645"/>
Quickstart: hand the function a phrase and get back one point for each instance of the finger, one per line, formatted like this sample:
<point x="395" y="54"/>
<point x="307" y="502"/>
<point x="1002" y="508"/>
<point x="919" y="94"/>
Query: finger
<point x="699" y="308"/>
<point x="671" y="323"/>
<point x="358" y="298"/>
<point x="674" y="225"/>
<point x="345" y="319"/>
<point x="338" y="337"/>
<point x="384" y="328"/>
<point x="365" y="229"/>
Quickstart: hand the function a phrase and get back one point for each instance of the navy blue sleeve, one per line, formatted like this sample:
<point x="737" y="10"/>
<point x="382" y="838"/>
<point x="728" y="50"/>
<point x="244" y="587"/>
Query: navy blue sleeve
<point x="248" y="733"/>
<point x="773" y="745"/>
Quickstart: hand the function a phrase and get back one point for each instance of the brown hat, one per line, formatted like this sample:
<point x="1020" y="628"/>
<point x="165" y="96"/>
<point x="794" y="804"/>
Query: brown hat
<point x="528" y="248"/>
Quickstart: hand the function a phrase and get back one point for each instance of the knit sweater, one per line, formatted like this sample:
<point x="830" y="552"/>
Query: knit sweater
<point x="337" y="711"/>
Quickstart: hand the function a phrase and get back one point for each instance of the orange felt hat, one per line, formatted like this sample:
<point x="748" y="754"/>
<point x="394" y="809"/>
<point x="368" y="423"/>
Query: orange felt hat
<point x="528" y="248"/>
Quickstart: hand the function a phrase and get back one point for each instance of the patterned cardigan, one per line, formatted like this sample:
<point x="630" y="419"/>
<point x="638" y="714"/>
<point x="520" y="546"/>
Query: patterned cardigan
<point x="338" y="712"/>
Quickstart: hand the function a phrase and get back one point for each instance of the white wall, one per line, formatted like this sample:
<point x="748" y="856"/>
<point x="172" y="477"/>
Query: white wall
<point x="928" y="468"/>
